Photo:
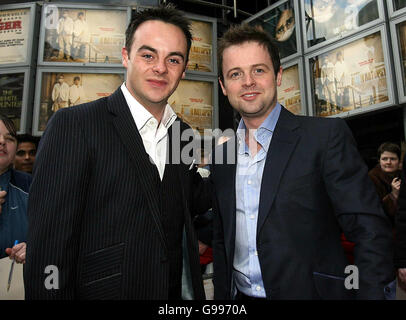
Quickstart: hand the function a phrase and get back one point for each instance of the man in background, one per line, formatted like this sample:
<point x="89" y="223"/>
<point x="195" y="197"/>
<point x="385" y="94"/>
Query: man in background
<point x="65" y="33"/>
<point x="80" y="38"/>
<point x="60" y="94"/>
<point x="26" y="151"/>
<point x="76" y="93"/>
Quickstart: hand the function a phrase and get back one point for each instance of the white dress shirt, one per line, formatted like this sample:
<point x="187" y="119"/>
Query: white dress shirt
<point x="247" y="269"/>
<point x="153" y="136"/>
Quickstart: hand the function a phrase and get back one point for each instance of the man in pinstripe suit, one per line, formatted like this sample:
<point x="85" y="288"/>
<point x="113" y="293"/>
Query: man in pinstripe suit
<point x="103" y="208"/>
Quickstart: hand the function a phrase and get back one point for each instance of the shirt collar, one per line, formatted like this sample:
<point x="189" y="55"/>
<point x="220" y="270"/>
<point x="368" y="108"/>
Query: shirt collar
<point x="141" y="115"/>
<point x="263" y="134"/>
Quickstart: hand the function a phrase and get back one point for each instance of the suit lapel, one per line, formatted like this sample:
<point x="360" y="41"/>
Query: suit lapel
<point x="227" y="197"/>
<point x="283" y="143"/>
<point x="131" y="138"/>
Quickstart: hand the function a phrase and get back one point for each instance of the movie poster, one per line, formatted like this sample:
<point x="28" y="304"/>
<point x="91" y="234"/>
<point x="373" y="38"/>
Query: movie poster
<point x="11" y="96"/>
<point x="200" y="56"/>
<point x="350" y="77"/>
<point x="280" y="23"/>
<point x="14" y="29"/>
<point x="193" y="103"/>
<point x="328" y="19"/>
<point x="289" y="90"/>
<point x="63" y="90"/>
<point x="83" y="35"/>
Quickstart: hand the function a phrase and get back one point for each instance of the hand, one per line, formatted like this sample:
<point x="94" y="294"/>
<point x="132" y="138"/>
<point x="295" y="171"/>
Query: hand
<point x="17" y="252"/>
<point x="2" y="198"/>
<point x="402" y="278"/>
<point x="202" y="247"/>
<point x="395" y="187"/>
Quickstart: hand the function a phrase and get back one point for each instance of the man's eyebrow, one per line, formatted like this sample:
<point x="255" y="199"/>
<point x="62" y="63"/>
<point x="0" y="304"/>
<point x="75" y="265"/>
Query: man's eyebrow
<point x="145" y="47"/>
<point x="177" y="53"/>
<point x="174" y="53"/>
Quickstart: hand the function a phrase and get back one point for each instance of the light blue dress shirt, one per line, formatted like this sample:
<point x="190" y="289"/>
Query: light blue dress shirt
<point x="247" y="271"/>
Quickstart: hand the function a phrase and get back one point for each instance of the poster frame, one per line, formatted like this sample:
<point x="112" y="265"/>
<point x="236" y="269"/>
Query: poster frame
<point x="388" y="66"/>
<point x="298" y="26"/>
<point x="392" y="13"/>
<point x="26" y="107"/>
<point x="38" y="87"/>
<point x="213" y="23"/>
<point x="41" y="47"/>
<point x="32" y="33"/>
<point x="321" y="45"/>
<point x="397" y="58"/>
<point x="300" y="63"/>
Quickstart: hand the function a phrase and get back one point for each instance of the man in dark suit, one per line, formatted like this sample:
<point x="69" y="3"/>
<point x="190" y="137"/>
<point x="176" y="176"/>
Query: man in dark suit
<point x="286" y="187"/>
<point x="109" y="207"/>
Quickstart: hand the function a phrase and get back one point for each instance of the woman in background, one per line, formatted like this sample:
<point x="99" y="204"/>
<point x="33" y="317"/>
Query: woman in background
<point x="386" y="177"/>
<point x="14" y="196"/>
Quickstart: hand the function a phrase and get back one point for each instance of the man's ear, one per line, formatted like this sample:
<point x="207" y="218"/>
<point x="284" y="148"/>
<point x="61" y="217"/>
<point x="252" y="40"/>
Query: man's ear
<point x="222" y="87"/>
<point x="125" y="56"/>
<point x="279" y="77"/>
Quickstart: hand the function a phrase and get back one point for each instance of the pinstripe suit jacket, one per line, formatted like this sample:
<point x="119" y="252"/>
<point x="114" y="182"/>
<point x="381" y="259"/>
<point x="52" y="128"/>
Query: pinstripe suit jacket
<point x="93" y="211"/>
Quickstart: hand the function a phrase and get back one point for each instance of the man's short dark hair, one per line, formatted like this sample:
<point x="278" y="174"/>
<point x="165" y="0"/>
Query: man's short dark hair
<point x="167" y="14"/>
<point x="389" y="147"/>
<point x="76" y="78"/>
<point x="26" y="137"/>
<point x="239" y="34"/>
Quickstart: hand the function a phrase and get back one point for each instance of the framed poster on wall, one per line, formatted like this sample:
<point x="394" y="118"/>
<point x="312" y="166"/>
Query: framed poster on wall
<point x="326" y="21"/>
<point x="15" y="93"/>
<point x="17" y="29"/>
<point x="291" y="91"/>
<point x="82" y="34"/>
<point x="68" y="87"/>
<point x="281" y="22"/>
<point x="194" y="101"/>
<point x="352" y="77"/>
<point x="202" y="56"/>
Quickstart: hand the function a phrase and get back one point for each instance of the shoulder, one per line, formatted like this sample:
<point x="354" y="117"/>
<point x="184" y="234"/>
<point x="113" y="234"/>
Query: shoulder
<point x="21" y="179"/>
<point x="310" y="124"/>
<point x="84" y="111"/>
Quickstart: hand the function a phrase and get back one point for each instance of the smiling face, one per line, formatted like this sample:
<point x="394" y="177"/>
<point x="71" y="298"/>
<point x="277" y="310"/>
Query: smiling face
<point x="156" y="63"/>
<point x="8" y="147"/>
<point x="249" y="80"/>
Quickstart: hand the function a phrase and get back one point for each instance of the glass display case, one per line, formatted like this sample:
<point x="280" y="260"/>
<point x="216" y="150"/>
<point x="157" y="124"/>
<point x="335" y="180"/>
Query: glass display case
<point x="351" y="77"/>
<point x="82" y="34"/>
<point x="68" y="87"/>
<point x="326" y="21"/>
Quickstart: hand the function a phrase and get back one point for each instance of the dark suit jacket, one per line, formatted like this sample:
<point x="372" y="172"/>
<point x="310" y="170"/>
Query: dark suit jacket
<point x="94" y="212"/>
<point x="314" y="184"/>
<point x="400" y="223"/>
